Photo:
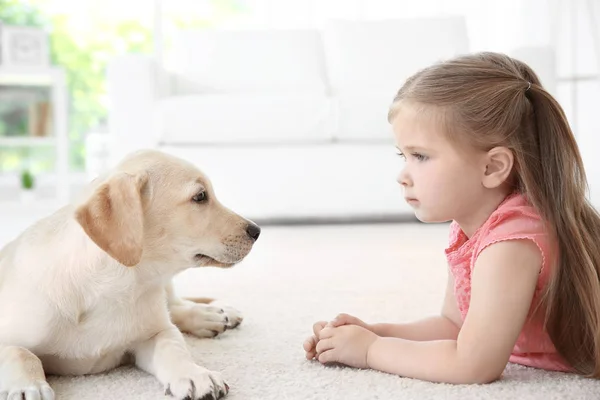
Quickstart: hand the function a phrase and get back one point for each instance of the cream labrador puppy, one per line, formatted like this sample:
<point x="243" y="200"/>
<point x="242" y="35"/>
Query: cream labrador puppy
<point x="89" y="287"/>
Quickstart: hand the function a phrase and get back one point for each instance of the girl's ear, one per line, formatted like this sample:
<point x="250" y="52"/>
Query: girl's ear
<point x="499" y="164"/>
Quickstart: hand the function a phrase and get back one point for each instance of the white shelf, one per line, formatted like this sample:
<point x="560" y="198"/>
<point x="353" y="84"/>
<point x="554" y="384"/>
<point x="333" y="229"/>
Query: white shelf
<point x="29" y="76"/>
<point x="27" y="141"/>
<point x="55" y="79"/>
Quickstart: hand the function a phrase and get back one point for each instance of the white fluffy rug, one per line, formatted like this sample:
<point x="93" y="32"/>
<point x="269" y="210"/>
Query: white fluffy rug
<point x="297" y="275"/>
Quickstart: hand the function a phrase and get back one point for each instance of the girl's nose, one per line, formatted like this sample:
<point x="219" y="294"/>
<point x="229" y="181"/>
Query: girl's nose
<point x="403" y="178"/>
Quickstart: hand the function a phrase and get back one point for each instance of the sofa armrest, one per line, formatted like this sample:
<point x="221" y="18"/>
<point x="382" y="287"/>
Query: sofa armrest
<point x="134" y="84"/>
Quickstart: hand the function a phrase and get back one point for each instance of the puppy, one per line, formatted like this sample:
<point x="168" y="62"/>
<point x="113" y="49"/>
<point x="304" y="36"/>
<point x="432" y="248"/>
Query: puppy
<point x="89" y="287"/>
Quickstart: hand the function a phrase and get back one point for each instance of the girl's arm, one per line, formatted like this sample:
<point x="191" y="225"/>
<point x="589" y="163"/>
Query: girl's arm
<point x="502" y="288"/>
<point x="444" y="326"/>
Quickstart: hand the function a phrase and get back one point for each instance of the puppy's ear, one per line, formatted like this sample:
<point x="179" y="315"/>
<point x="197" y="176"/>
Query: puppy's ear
<point x="113" y="217"/>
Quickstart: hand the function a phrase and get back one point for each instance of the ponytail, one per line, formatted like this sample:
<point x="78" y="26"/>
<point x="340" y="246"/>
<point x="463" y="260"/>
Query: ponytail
<point x="572" y="297"/>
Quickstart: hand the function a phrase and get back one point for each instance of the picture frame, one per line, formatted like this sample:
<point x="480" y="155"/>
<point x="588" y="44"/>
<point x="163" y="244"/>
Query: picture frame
<point x="23" y="47"/>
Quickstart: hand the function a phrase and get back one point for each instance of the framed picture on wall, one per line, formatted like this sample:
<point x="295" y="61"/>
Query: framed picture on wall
<point x="23" y="47"/>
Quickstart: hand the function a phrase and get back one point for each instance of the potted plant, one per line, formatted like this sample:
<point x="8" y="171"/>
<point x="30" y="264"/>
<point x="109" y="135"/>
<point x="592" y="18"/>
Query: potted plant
<point x="27" y="185"/>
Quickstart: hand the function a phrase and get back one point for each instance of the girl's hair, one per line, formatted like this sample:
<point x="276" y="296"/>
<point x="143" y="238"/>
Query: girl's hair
<point x="489" y="99"/>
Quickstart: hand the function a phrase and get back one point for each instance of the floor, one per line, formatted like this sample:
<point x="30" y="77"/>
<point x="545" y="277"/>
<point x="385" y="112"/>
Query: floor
<point x="297" y="275"/>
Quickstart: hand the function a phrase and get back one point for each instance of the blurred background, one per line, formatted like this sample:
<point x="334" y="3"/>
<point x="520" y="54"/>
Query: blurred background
<point x="283" y="103"/>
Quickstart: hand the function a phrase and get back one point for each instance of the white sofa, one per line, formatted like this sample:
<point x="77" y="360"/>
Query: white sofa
<point x="289" y="124"/>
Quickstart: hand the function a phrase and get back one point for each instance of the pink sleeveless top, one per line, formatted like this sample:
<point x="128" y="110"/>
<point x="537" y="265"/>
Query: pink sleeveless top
<point x="513" y="219"/>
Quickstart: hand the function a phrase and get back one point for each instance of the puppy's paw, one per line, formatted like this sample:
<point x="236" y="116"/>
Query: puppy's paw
<point x="22" y="375"/>
<point x="205" y="320"/>
<point x="18" y="389"/>
<point x="234" y="317"/>
<point x="197" y="384"/>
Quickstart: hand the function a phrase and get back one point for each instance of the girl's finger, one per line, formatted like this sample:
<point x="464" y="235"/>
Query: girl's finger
<point x="324" y="345"/>
<point x="318" y="326"/>
<point x="327" y="356"/>
<point x="309" y="344"/>
<point x="326" y="333"/>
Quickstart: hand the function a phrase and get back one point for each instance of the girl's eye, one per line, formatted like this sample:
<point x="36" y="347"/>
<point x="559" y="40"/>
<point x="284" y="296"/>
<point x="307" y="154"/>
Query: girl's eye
<point x="419" y="157"/>
<point x="416" y="156"/>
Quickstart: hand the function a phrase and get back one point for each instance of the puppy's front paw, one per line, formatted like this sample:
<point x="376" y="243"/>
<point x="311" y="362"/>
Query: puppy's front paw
<point x="205" y="320"/>
<point x="234" y="317"/>
<point x="18" y="389"/>
<point x="197" y="384"/>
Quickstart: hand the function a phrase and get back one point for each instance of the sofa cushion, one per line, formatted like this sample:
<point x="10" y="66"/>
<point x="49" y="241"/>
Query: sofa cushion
<point x="214" y="61"/>
<point x="243" y="118"/>
<point x="312" y="180"/>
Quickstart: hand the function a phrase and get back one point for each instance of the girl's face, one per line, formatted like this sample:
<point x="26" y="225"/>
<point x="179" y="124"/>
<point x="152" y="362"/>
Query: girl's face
<point x="441" y="182"/>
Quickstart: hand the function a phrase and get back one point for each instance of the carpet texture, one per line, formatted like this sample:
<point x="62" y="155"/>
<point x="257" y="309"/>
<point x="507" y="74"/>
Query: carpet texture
<point x="298" y="275"/>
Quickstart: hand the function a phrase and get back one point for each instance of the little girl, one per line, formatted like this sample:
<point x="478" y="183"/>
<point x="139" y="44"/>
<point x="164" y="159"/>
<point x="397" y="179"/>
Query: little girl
<point x="488" y="148"/>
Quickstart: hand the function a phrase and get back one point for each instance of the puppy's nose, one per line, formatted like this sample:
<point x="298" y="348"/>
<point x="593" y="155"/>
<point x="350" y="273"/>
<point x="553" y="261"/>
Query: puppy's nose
<point x="253" y="231"/>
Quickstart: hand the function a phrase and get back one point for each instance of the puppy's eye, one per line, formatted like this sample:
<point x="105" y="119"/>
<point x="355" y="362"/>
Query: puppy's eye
<point x="200" y="197"/>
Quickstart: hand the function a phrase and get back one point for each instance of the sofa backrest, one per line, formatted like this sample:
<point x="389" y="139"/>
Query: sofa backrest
<point x="246" y="61"/>
<point x="383" y="53"/>
<point x="368" y="61"/>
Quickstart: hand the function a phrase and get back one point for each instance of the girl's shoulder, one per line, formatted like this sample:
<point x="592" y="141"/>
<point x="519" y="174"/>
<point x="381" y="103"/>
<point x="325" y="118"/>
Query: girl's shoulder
<point x="514" y="216"/>
<point x="516" y="219"/>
